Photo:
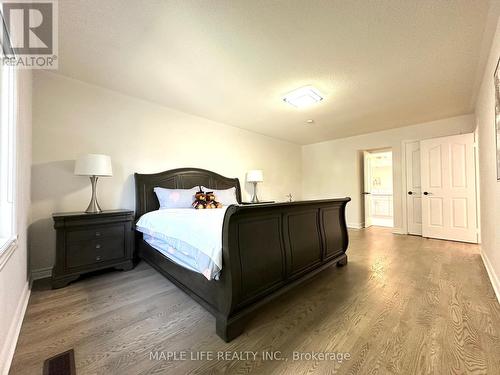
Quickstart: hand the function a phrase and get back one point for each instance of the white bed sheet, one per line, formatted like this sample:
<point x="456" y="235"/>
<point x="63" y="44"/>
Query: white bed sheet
<point x="196" y="236"/>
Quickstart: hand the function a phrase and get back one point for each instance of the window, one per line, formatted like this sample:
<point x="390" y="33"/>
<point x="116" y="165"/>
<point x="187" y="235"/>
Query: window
<point x="8" y="115"/>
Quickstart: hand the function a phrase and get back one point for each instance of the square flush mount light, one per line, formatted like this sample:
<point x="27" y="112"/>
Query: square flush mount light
<point x="303" y="97"/>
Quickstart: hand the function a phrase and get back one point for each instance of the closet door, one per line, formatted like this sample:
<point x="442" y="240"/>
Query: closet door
<point x="449" y="188"/>
<point x="413" y="188"/>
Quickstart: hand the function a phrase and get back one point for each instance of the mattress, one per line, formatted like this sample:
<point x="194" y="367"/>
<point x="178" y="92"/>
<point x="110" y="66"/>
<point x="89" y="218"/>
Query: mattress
<point x="188" y="237"/>
<point x="190" y="257"/>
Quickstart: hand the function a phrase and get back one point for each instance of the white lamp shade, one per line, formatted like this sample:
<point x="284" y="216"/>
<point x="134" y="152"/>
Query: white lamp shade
<point x="93" y="165"/>
<point x="255" y="176"/>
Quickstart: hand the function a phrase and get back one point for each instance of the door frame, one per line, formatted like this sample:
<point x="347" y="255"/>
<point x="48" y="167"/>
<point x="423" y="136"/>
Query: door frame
<point x="362" y="181"/>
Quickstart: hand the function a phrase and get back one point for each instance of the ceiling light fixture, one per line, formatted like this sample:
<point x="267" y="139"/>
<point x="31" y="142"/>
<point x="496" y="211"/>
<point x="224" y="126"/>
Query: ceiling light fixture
<point x="303" y="97"/>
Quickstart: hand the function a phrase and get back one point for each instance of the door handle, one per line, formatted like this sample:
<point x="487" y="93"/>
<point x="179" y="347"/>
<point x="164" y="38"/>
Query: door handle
<point x="366" y="193"/>
<point x="427" y="193"/>
<point x="410" y="193"/>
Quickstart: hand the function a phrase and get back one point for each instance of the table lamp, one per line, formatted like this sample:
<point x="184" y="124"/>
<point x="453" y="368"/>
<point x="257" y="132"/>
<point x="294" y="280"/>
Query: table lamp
<point x="255" y="176"/>
<point x="94" y="166"/>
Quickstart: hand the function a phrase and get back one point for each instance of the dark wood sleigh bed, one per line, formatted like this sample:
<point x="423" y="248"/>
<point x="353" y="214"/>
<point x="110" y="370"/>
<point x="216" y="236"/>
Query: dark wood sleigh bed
<point x="267" y="249"/>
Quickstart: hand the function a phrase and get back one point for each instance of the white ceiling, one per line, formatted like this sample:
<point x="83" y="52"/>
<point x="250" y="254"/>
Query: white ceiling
<point x="380" y="64"/>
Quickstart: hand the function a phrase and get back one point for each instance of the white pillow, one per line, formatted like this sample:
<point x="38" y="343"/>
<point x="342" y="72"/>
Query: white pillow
<point x="226" y="196"/>
<point x="175" y="198"/>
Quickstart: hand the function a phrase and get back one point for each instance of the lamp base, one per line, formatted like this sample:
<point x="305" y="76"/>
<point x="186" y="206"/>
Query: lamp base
<point x="255" y="199"/>
<point x="93" y="207"/>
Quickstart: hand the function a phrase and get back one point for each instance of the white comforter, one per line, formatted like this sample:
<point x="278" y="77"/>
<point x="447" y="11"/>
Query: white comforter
<point x="189" y="230"/>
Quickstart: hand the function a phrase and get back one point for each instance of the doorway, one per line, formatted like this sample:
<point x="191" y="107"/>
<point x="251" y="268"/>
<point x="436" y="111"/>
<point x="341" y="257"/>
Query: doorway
<point x="378" y="188"/>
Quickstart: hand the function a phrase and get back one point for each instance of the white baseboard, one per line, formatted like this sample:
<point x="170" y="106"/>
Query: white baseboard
<point x="362" y="225"/>
<point x="398" y="231"/>
<point x="491" y="273"/>
<point x="355" y="225"/>
<point x="41" y="273"/>
<point x="10" y="341"/>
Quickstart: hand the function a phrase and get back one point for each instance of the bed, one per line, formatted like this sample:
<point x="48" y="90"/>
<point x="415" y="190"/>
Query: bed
<point x="267" y="249"/>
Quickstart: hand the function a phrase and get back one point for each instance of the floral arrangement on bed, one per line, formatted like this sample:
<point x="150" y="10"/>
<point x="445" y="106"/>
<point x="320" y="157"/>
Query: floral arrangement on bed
<point x="205" y="200"/>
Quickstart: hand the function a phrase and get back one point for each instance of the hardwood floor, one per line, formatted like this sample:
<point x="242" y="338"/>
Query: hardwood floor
<point x="403" y="305"/>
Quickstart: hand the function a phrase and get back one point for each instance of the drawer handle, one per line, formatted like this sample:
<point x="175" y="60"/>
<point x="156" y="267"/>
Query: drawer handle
<point x="98" y="257"/>
<point x="97" y="234"/>
<point x="98" y="246"/>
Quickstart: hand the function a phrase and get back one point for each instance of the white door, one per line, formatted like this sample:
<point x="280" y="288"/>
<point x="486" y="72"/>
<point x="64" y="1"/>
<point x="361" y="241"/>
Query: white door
<point x="413" y="188"/>
<point x="367" y="188"/>
<point x="449" y="188"/>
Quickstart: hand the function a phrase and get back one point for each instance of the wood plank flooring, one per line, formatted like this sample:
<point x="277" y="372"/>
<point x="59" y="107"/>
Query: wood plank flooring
<point x="403" y="305"/>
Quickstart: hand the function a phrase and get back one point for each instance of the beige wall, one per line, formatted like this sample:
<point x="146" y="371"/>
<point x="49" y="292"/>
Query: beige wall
<point x="334" y="168"/>
<point x="71" y="118"/>
<point x="14" y="285"/>
<point x="490" y="187"/>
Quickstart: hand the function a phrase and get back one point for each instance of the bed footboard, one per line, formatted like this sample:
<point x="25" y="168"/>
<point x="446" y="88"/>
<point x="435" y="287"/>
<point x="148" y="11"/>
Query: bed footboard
<point x="270" y="249"/>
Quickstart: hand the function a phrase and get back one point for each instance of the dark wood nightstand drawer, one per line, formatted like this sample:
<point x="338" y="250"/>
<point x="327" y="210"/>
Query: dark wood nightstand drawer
<point x="83" y="253"/>
<point x="115" y="231"/>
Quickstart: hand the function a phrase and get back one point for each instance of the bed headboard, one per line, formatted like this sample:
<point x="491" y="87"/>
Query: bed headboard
<point x="182" y="178"/>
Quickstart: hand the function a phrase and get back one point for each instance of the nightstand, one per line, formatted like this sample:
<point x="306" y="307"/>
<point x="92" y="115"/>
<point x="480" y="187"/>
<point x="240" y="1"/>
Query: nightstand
<point x="90" y="242"/>
<point x="261" y="202"/>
